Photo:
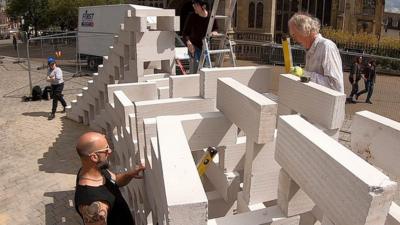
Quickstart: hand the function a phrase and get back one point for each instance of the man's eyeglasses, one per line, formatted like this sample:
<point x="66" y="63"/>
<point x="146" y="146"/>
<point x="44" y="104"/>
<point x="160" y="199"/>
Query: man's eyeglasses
<point x="103" y="150"/>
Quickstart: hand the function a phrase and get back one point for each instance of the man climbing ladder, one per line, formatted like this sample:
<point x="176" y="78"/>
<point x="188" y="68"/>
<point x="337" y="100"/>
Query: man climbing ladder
<point x="195" y="30"/>
<point x="224" y="43"/>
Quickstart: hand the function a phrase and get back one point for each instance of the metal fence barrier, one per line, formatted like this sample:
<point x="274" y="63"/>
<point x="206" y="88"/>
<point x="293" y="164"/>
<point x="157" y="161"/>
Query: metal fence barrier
<point x="271" y="53"/>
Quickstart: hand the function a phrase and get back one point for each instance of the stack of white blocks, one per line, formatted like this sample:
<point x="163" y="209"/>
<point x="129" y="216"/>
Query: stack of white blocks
<point x="276" y="170"/>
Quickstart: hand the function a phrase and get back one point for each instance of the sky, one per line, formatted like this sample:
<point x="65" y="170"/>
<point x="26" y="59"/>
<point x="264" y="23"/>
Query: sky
<point x="392" y="6"/>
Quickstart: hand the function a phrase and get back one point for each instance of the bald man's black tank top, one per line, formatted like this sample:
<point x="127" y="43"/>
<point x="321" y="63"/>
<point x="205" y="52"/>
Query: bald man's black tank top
<point x="118" y="213"/>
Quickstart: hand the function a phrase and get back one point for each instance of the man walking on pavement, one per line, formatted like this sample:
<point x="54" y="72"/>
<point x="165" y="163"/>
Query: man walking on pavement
<point x="355" y="77"/>
<point x="369" y="79"/>
<point x="195" y="30"/>
<point x="323" y="62"/>
<point x="98" y="199"/>
<point x="55" y="77"/>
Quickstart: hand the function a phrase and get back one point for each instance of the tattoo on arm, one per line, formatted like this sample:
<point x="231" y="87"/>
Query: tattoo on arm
<point x="95" y="213"/>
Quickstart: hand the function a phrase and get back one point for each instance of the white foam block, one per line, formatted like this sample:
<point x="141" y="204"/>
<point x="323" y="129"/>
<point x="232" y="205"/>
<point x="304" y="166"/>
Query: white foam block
<point x="150" y="131"/>
<point x="134" y="91"/>
<point x="249" y="110"/>
<point x="291" y="199"/>
<point x="145" y="11"/>
<point x="163" y="92"/>
<point x="394" y="215"/>
<point x="208" y="129"/>
<point x="354" y="191"/>
<point x="317" y="103"/>
<point x="261" y="173"/>
<point x="123" y="107"/>
<point x="173" y="106"/>
<point x="184" y="86"/>
<point x="155" y="45"/>
<point x="153" y="76"/>
<point x="268" y="216"/>
<point x="168" y="23"/>
<point x="258" y="78"/>
<point x="377" y="139"/>
<point x="135" y="24"/>
<point x="234" y="155"/>
<point x="185" y="196"/>
<point x="161" y="82"/>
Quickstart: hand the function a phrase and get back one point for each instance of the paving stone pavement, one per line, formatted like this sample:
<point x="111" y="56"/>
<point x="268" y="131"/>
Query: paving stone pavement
<point x="38" y="160"/>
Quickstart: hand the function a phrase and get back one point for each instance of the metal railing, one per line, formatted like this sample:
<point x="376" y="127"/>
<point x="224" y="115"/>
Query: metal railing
<point x="251" y="36"/>
<point x="271" y="53"/>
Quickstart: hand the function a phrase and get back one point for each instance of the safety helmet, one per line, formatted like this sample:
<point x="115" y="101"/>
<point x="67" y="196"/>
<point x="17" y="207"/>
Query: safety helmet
<point x="51" y="60"/>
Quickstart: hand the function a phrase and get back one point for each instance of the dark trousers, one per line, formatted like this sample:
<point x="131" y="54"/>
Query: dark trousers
<point x="56" y="92"/>
<point x="369" y="87"/>
<point x="354" y="89"/>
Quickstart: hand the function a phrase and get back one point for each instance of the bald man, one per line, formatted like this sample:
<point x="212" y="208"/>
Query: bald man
<point x="98" y="199"/>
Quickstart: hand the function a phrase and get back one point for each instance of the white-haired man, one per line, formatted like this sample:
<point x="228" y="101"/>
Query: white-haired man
<point x="323" y="62"/>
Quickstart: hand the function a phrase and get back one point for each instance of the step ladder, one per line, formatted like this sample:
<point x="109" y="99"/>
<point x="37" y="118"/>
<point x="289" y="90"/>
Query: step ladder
<point x="225" y="44"/>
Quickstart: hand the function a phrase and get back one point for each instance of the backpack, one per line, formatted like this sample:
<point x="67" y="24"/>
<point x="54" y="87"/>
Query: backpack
<point x="36" y="93"/>
<point x="46" y="93"/>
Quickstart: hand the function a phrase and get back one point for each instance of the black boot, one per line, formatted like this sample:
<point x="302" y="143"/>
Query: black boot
<point x="51" y="116"/>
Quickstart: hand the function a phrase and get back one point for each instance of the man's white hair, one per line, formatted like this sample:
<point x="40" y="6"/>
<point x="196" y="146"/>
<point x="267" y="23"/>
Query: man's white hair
<point x="305" y="23"/>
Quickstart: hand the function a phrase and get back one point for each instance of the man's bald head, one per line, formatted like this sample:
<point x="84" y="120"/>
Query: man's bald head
<point x="90" y="142"/>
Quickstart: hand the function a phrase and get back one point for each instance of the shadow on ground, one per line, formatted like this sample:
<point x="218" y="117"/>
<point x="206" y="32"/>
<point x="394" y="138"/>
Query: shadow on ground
<point x="61" y="156"/>
<point x="62" y="210"/>
<point x="36" y="114"/>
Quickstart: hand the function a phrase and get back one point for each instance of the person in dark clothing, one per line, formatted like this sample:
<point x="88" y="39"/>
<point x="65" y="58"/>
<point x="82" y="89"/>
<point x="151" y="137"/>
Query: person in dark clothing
<point x="369" y="79"/>
<point x="98" y="199"/>
<point x="55" y="77"/>
<point x="195" y="30"/>
<point x="354" y="77"/>
<point x="14" y="42"/>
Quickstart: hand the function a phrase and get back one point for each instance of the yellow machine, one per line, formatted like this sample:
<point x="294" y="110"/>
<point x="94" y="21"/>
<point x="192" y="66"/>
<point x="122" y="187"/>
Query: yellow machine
<point x="206" y="159"/>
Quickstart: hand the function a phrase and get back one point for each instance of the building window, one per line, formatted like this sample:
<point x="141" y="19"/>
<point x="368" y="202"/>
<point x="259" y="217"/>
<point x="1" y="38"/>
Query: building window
<point x="256" y="14"/>
<point x="395" y="23"/>
<point x="259" y="15"/>
<point x="369" y="7"/>
<point x="251" y="14"/>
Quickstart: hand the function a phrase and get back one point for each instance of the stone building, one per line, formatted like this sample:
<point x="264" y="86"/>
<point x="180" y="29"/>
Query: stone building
<point x="358" y="15"/>
<point x="348" y="15"/>
<point x="391" y="25"/>
<point x="265" y="20"/>
<point x="391" y="20"/>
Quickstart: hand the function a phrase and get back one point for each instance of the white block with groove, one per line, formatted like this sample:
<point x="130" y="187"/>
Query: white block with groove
<point x="259" y="78"/>
<point x="249" y="110"/>
<point x="377" y="139"/>
<point x="184" y="86"/>
<point x="345" y="187"/>
<point x="184" y="193"/>
<point x="317" y="103"/>
<point x="134" y="91"/>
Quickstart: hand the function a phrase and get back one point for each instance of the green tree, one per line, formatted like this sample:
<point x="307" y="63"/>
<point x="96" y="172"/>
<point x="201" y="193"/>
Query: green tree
<point x="63" y="13"/>
<point x="34" y="13"/>
<point x="41" y="14"/>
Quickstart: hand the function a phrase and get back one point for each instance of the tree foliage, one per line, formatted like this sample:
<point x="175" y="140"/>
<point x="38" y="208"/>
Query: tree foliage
<point x="33" y="12"/>
<point x="42" y="14"/>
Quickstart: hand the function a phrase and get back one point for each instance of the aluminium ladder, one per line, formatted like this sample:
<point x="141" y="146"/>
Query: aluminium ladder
<point x="225" y="44"/>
